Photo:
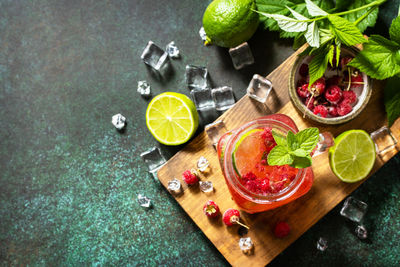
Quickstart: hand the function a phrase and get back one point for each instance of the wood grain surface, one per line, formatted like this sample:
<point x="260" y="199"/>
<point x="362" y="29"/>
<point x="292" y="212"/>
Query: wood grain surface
<point x="326" y="192"/>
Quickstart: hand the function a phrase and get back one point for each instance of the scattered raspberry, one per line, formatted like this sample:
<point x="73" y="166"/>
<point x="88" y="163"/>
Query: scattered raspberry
<point x="231" y="216"/>
<point x="344" y="108"/>
<point x="318" y="87"/>
<point x="303" y="70"/>
<point x="190" y="177"/>
<point x="344" y="61"/>
<point x="211" y="209"/>
<point x="302" y="91"/>
<point x="332" y="110"/>
<point x="349" y="96"/>
<point x="333" y="94"/>
<point x="264" y="162"/>
<point x="282" y="229"/>
<point x="321" y="110"/>
<point x="334" y="80"/>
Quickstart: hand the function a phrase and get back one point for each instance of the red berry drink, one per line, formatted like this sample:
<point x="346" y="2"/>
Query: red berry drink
<point x="255" y="186"/>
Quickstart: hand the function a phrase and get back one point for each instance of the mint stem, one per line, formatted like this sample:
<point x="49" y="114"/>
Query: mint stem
<point x="364" y="16"/>
<point x="375" y="3"/>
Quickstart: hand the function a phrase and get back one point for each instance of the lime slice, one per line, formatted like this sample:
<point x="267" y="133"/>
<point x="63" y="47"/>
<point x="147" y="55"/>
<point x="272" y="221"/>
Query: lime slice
<point x="353" y="156"/>
<point x="248" y="149"/>
<point x="172" y="118"/>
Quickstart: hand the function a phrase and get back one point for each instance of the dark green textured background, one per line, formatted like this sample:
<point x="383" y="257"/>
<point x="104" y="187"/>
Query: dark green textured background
<point x="69" y="180"/>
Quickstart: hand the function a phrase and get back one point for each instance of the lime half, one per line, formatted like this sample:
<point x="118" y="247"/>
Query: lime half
<point x="353" y="156"/>
<point x="172" y="118"/>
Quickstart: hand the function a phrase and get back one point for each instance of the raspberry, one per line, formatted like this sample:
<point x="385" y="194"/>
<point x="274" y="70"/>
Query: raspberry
<point x="357" y="81"/>
<point x="281" y="229"/>
<point x="344" y="61"/>
<point x="252" y="186"/>
<point x="334" y="80"/>
<point x="332" y="110"/>
<point x="211" y="209"/>
<point x="310" y="103"/>
<point x="231" y="216"/>
<point x="344" y="108"/>
<point x="302" y="81"/>
<point x="349" y="96"/>
<point x="302" y="91"/>
<point x="303" y="70"/>
<point x="249" y="176"/>
<point x="318" y="87"/>
<point x="278" y="186"/>
<point x="268" y="139"/>
<point x="321" y="110"/>
<point x="265" y="186"/>
<point x="333" y="94"/>
<point x="190" y="177"/>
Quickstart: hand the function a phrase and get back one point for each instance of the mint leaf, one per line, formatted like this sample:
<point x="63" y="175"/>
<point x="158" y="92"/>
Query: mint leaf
<point x="292" y="143"/>
<point x="296" y="15"/>
<point x="299" y="153"/>
<point x="312" y="34"/>
<point x="330" y="54"/>
<point x="308" y="139"/>
<point x="394" y="30"/>
<point x="314" y="10"/>
<point x="318" y="64"/>
<point x="392" y="99"/>
<point x="338" y="45"/>
<point x="369" y="21"/>
<point x="279" y="138"/>
<point x="286" y="23"/>
<point x="279" y="155"/>
<point x="345" y="31"/>
<point x="325" y="35"/>
<point x="378" y="58"/>
<point x="300" y="162"/>
<point x="279" y="7"/>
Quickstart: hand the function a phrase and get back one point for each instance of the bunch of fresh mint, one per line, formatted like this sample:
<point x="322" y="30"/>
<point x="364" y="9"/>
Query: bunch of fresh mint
<point x="294" y="149"/>
<point x="380" y="59"/>
<point x="324" y="30"/>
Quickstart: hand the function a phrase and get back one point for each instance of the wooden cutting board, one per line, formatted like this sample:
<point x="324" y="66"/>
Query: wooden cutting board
<point x="326" y="192"/>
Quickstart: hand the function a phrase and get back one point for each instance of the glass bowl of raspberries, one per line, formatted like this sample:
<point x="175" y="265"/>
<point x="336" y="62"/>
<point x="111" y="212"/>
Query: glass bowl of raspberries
<point x="337" y="97"/>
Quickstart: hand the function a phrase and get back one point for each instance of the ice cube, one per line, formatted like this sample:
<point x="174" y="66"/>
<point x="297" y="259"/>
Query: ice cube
<point x="144" y="201"/>
<point x="202" y="98"/>
<point x="259" y="88"/>
<point x="172" y="50"/>
<point x="361" y="232"/>
<point x="384" y="140"/>
<point x="174" y="186"/>
<point x="223" y="98"/>
<point x="214" y="131"/>
<point x="143" y="88"/>
<point x="326" y="140"/>
<point x="202" y="34"/>
<point x="246" y="245"/>
<point x="241" y="56"/>
<point x="154" y="56"/>
<point x="118" y="121"/>
<point x="196" y="77"/>
<point x="153" y="159"/>
<point x="202" y="164"/>
<point x="322" y="244"/>
<point x="206" y="186"/>
<point x="354" y="209"/>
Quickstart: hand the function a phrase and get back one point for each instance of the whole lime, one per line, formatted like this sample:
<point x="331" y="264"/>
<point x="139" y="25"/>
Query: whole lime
<point x="228" y="23"/>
